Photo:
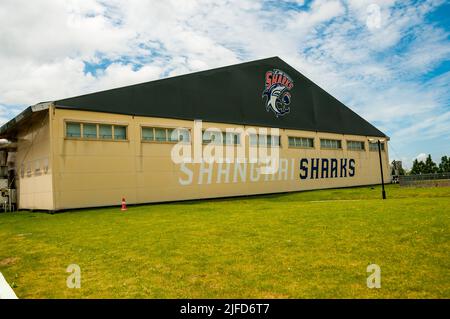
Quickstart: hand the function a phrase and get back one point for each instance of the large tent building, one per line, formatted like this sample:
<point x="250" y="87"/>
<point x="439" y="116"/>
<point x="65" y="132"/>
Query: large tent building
<point x="95" y="149"/>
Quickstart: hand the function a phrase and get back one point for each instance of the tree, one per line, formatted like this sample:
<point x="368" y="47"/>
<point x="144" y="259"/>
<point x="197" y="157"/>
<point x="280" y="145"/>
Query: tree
<point x="397" y="168"/>
<point x="430" y="166"/>
<point x="444" y="166"/>
<point x="417" y="168"/>
<point x="427" y="167"/>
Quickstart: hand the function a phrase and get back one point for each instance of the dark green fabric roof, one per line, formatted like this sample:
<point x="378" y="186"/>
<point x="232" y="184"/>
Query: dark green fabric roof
<point x="232" y="94"/>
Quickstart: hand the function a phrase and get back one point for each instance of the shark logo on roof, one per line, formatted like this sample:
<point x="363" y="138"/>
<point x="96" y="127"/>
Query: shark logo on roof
<point x="277" y="92"/>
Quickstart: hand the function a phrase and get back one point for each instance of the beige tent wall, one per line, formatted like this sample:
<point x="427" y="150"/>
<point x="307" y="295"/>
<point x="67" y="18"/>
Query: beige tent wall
<point x="90" y="173"/>
<point x="33" y="165"/>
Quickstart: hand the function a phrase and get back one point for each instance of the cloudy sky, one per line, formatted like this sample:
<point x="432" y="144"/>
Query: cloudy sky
<point x="387" y="60"/>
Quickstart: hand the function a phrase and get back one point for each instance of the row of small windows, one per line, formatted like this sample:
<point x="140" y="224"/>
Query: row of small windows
<point x="300" y="142"/>
<point x="351" y="145"/>
<point x="227" y="138"/>
<point x="264" y="140"/>
<point x="330" y="144"/>
<point x="355" y="145"/>
<point x="304" y="142"/>
<point x="374" y="146"/>
<point x="96" y="131"/>
<point x="161" y="134"/>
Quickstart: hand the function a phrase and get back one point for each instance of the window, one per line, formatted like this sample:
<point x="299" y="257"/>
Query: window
<point x="374" y="146"/>
<point x="236" y="139"/>
<point x="253" y="140"/>
<point x="90" y="130"/>
<point x="262" y="140"/>
<point x="183" y="135"/>
<point x="215" y="137"/>
<point x="330" y="144"/>
<point x="231" y="138"/>
<point x="355" y="145"/>
<point x="105" y="132"/>
<point x="301" y="142"/>
<point x="95" y="131"/>
<point x="179" y="135"/>
<point x="161" y="134"/>
<point x="265" y="140"/>
<point x="73" y="129"/>
<point x="172" y="135"/>
<point x="148" y="134"/>
<point x="120" y="132"/>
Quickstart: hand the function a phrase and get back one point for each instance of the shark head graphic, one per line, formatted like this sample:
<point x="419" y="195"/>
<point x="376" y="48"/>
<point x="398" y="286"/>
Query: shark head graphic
<point x="277" y="92"/>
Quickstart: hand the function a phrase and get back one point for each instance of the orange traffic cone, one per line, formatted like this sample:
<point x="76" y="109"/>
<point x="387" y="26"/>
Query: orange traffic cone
<point x="124" y="204"/>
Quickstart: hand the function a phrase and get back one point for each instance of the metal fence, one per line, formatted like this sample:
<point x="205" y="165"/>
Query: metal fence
<point x="416" y="179"/>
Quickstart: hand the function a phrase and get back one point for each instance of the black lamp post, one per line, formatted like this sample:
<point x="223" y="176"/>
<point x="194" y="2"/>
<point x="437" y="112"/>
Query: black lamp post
<point x="383" y="192"/>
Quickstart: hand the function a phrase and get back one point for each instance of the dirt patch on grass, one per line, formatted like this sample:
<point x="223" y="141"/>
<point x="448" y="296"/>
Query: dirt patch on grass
<point x="9" y="261"/>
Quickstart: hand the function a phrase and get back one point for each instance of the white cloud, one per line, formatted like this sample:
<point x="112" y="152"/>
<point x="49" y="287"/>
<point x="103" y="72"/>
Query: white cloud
<point x="117" y="75"/>
<point x="421" y="157"/>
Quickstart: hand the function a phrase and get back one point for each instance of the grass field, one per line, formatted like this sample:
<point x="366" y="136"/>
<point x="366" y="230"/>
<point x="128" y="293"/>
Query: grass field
<point x="313" y="244"/>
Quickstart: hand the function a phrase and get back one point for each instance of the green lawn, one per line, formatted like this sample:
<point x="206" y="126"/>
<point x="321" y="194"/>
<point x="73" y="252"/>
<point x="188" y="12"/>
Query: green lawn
<point x="313" y="244"/>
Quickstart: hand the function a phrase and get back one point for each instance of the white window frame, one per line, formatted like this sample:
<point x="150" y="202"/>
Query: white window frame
<point x="168" y="131"/>
<point x="299" y="142"/>
<point x="330" y="142"/>
<point x="352" y="142"/>
<point x="97" y="124"/>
